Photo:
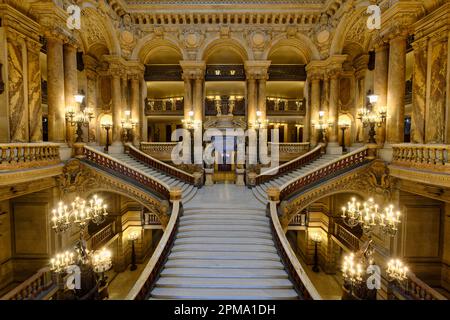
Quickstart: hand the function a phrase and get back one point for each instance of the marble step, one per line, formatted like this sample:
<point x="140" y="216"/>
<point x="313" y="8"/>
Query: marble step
<point x="225" y="264"/>
<point x="217" y="240"/>
<point x="224" y="294"/>
<point x="216" y="283"/>
<point x="225" y="218"/>
<point x="224" y="273"/>
<point x="242" y="235"/>
<point x="224" y="248"/>
<point x="216" y="227"/>
<point x="224" y="255"/>
<point x="211" y="222"/>
<point x="190" y="212"/>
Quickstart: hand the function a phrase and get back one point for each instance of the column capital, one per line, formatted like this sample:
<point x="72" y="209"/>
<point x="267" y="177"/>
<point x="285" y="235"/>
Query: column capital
<point x="257" y="69"/>
<point x="193" y="69"/>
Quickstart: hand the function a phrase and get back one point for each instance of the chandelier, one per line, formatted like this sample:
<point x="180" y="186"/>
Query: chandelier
<point x="80" y="213"/>
<point x="61" y="261"/>
<point x="371" y="118"/>
<point x="396" y="270"/>
<point x="101" y="260"/>
<point x="369" y="216"/>
<point x="352" y="270"/>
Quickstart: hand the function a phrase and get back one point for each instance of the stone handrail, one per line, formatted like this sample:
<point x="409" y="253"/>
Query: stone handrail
<point x="424" y="156"/>
<point x="415" y="289"/>
<point x="159" y="165"/>
<point x="28" y="155"/>
<point x="31" y="288"/>
<point x="289" y="166"/>
<point x="101" y="237"/>
<point x="302" y="283"/>
<point x="328" y="170"/>
<point x="149" y="275"/>
<point x="115" y="166"/>
<point x="345" y="236"/>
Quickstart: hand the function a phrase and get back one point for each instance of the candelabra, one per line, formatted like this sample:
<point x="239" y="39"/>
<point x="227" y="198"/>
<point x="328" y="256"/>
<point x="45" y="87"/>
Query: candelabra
<point x="101" y="262"/>
<point x="79" y="119"/>
<point x="369" y="216"/>
<point x="133" y="236"/>
<point x="322" y="125"/>
<point x="344" y="126"/>
<point x="80" y="213"/>
<point x="107" y="126"/>
<point x="371" y="118"/>
<point x="352" y="270"/>
<point x="191" y="125"/>
<point x="128" y="124"/>
<point x="259" y="124"/>
<point x="316" y="238"/>
<point x="61" y="261"/>
<point x="396" y="270"/>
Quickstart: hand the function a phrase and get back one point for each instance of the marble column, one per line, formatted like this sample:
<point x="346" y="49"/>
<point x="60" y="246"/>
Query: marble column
<point x="187" y="95"/>
<point x="419" y="92"/>
<point x="251" y="99"/>
<point x="55" y="87"/>
<point x="198" y="96"/>
<point x="361" y="66"/>
<point x="143" y="123"/>
<point x="116" y="109"/>
<point x="34" y="91"/>
<point x="134" y="102"/>
<point x="396" y="91"/>
<point x="262" y="97"/>
<point x="315" y="107"/>
<point x="91" y="64"/>
<point x="380" y="84"/>
<point x="70" y="84"/>
<point x="333" y="114"/>
<point x="307" y="118"/>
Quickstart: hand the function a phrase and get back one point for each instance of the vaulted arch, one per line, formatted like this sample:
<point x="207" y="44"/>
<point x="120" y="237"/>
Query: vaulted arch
<point x="235" y="45"/>
<point x="301" y="44"/>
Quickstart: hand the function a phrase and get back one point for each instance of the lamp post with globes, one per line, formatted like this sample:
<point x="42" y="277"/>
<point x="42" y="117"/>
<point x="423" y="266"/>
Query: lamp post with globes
<point x="128" y="124"/>
<point x="371" y="117"/>
<point x="79" y="119"/>
<point x="107" y="126"/>
<point x="132" y="237"/>
<point x="322" y="125"/>
<point x="317" y="239"/>
<point x="191" y="125"/>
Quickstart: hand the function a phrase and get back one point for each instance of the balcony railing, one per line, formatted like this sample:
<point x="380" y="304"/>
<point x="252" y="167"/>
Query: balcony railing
<point x="39" y="286"/>
<point x="28" y="155"/>
<point x="102" y="236"/>
<point x="283" y="107"/>
<point x="433" y="157"/>
<point x="170" y="106"/>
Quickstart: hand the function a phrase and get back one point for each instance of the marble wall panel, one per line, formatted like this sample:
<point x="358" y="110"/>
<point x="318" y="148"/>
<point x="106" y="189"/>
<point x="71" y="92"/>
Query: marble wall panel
<point x="34" y="96"/>
<point x="18" y="117"/>
<point x="435" y="122"/>
<point x="419" y="94"/>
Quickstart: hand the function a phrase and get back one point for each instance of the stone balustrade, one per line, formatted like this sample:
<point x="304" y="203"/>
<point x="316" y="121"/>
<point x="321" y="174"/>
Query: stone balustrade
<point x="159" y="150"/>
<point x="101" y="237"/>
<point x="424" y="156"/>
<point x="40" y="286"/>
<point x="14" y="156"/>
<point x="289" y="150"/>
<point x="346" y="237"/>
<point x="413" y="289"/>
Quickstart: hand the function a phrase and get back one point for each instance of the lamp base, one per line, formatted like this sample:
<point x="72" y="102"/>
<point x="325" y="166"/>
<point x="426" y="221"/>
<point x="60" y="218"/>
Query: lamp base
<point x="334" y="148"/>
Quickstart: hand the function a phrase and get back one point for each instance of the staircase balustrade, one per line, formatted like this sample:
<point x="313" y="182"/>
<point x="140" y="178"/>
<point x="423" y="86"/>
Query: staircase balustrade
<point x="160" y="150"/>
<point x="161" y="166"/>
<point x="115" y="166"/>
<point x="297" y="274"/>
<point x="289" y="166"/>
<point x="14" y="156"/>
<point x="413" y="289"/>
<point x="338" y="166"/>
<point x="433" y="157"/>
<point x="143" y="286"/>
<point x="37" y="287"/>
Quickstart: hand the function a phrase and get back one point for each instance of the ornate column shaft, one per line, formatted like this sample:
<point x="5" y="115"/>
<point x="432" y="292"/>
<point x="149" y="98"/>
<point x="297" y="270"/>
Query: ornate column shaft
<point x="187" y="95"/>
<point x="315" y="106"/>
<point x="380" y="82"/>
<point x="361" y="66"/>
<point x="333" y="106"/>
<point x="70" y="83"/>
<point x="34" y="91"/>
<point x="251" y="99"/>
<point x="55" y="87"/>
<point x="396" y="91"/>
<point x="256" y="73"/>
<point x="194" y="78"/>
<point x="134" y="102"/>
<point x="90" y="65"/>
<point x="198" y="96"/>
<point x="262" y="97"/>
<point x="116" y="108"/>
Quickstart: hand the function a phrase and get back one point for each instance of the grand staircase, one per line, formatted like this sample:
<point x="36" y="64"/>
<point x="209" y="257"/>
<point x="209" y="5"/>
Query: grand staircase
<point x="187" y="189"/>
<point x="260" y="191"/>
<point x="224" y="250"/>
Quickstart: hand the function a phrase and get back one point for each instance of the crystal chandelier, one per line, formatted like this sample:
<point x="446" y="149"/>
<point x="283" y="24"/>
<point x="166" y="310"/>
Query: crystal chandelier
<point x="369" y="216"/>
<point x="101" y="260"/>
<point x="396" y="270"/>
<point x="80" y="213"/>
